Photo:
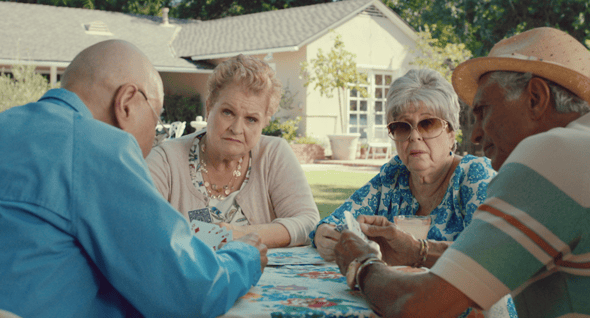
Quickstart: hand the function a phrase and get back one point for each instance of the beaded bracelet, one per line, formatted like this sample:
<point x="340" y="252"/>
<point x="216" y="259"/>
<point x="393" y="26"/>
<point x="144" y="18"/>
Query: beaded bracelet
<point x="423" y="253"/>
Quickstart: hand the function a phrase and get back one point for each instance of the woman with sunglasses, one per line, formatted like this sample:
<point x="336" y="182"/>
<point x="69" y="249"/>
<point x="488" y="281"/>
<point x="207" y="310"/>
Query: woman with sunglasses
<point x="425" y="178"/>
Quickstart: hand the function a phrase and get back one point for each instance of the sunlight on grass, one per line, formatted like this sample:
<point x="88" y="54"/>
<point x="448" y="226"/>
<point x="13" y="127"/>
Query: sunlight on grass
<point x="330" y="188"/>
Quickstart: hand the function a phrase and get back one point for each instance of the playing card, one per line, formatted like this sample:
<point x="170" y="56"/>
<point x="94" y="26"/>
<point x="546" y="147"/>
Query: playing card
<point x="202" y="215"/>
<point x="350" y="223"/>
<point x="212" y="235"/>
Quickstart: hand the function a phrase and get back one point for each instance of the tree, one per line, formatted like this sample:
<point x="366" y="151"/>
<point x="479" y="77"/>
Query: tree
<point x="145" y="7"/>
<point x="208" y="9"/>
<point x="434" y="56"/>
<point x="481" y="24"/>
<point x="334" y="71"/>
<point x="23" y="87"/>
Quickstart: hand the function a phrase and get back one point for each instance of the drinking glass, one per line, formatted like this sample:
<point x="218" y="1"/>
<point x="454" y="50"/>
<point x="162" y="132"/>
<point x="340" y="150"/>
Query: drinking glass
<point x="415" y="225"/>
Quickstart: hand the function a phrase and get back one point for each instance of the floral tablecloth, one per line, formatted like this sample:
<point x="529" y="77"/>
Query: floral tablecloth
<point x="297" y="282"/>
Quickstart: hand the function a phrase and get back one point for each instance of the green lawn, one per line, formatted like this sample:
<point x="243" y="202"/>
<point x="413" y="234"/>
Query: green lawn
<point x="330" y="188"/>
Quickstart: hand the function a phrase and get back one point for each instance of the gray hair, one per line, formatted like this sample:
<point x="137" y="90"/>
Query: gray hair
<point x="426" y="87"/>
<point x="514" y="84"/>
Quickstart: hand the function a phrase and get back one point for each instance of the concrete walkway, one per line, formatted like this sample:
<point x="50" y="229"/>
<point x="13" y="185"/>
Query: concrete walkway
<point x="360" y="165"/>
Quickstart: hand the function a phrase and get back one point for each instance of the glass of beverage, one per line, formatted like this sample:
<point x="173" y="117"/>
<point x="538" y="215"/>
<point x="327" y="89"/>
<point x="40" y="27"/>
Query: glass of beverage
<point x="415" y="225"/>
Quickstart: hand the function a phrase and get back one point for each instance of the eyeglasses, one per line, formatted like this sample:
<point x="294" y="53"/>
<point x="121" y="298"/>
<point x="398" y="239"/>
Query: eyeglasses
<point x="427" y="128"/>
<point x="166" y="132"/>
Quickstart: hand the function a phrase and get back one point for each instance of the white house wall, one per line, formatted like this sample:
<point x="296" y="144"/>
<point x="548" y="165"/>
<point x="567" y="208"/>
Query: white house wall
<point x="378" y="45"/>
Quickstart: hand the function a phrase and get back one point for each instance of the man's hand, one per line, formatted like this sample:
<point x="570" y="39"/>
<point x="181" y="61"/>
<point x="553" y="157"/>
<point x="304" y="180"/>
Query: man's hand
<point x="255" y="240"/>
<point x="325" y="239"/>
<point x="397" y="246"/>
<point x="349" y="247"/>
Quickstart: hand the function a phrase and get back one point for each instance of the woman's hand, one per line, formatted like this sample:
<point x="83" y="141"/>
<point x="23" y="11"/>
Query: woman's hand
<point x="237" y="231"/>
<point x="326" y="238"/>
<point x="255" y="240"/>
<point x="350" y="247"/>
<point x="397" y="246"/>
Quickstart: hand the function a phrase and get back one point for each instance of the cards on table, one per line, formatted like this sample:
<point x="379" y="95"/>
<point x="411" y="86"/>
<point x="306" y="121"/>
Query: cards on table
<point x="350" y="223"/>
<point x="212" y="235"/>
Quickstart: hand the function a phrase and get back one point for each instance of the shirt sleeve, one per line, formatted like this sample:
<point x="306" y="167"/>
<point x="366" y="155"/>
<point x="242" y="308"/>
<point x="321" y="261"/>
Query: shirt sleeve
<point x="142" y="245"/>
<point x="365" y="201"/>
<point x="291" y="195"/>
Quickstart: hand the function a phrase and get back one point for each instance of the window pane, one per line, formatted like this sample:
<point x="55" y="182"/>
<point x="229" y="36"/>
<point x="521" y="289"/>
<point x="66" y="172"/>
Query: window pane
<point x="363" y="120"/>
<point x="378" y="93"/>
<point x="378" y="106"/>
<point x="378" y="79"/>
<point x="353" y="93"/>
<point x="387" y="79"/>
<point x="385" y="92"/>
<point x="353" y="105"/>
<point x="379" y="120"/>
<point x="353" y="120"/>
<point x="352" y="130"/>
<point x="363" y="105"/>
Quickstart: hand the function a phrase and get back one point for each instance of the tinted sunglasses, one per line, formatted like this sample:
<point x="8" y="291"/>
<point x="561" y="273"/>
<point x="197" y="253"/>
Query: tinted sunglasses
<point x="427" y="128"/>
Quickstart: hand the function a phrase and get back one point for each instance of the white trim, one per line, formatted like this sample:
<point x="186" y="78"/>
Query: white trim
<point x="253" y="52"/>
<point x="396" y="19"/>
<point x="336" y="24"/>
<point x="65" y="64"/>
<point x="36" y="63"/>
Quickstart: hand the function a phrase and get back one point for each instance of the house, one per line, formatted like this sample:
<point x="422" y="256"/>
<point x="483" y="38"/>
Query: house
<point x="185" y="51"/>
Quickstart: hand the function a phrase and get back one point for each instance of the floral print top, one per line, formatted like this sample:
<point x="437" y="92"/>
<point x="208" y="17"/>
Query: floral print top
<point x="226" y="210"/>
<point x="388" y="194"/>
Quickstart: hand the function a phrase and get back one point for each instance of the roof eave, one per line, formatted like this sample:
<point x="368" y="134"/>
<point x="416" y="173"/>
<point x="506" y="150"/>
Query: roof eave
<point x="253" y="52"/>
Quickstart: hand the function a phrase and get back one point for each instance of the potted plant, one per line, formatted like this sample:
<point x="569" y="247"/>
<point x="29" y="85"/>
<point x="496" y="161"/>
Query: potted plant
<point x="336" y="71"/>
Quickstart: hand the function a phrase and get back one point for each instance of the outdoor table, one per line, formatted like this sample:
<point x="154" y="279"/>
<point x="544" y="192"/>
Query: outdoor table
<point x="297" y="282"/>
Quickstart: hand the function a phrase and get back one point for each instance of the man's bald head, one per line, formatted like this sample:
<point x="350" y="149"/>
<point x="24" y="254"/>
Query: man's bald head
<point x="97" y="72"/>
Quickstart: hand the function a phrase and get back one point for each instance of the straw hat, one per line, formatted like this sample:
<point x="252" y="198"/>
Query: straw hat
<point x="546" y="52"/>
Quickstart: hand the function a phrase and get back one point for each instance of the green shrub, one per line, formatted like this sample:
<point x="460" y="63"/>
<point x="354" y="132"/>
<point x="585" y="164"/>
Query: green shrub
<point x="306" y="140"/>
<point x="286" y="129"/>
<point x="182" y="108"/>
<point x="23" y="87"/>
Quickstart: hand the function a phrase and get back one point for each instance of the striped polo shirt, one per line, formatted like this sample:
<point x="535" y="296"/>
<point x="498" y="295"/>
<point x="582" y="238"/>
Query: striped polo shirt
<point x="531" y="237"/>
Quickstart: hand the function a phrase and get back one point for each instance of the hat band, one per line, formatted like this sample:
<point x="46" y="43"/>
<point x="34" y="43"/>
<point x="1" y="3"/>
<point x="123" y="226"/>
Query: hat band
<point x="529" y="58"/>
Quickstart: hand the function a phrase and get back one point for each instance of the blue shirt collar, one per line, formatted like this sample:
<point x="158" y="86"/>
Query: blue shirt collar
<point x="64" y="97"/>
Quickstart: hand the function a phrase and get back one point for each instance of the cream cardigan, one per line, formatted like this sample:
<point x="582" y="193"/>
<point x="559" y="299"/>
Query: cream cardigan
<point x="277" y="190"/>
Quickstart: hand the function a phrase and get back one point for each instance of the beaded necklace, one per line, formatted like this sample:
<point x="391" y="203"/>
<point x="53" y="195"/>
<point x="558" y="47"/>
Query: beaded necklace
<point x="221" y="191"/>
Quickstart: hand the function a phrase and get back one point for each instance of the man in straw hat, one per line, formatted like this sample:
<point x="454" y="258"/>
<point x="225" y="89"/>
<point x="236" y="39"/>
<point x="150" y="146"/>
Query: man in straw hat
<point x="531" y="237"/>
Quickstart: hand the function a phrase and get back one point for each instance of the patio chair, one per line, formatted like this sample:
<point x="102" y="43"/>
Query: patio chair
<point x="380" y="140"/>
<point x="176" y="129"/>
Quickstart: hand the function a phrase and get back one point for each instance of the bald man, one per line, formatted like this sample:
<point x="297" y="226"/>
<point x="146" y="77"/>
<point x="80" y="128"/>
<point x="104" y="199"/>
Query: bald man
<point x="83" y="230"/>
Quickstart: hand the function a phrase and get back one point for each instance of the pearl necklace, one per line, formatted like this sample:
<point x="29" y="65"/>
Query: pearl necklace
<point x="223" y="191"/>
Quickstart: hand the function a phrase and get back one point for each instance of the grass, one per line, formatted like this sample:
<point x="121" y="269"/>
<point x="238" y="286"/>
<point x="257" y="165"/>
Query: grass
<point x="330" y="188"/>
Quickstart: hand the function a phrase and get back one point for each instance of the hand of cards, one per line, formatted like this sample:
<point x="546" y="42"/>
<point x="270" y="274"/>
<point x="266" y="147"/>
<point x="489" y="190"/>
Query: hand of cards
<point x="350" y="223"/>
<point x="211" y="234"/>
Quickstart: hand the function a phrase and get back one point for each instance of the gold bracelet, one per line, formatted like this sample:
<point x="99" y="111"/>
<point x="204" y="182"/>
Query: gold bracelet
<point x="423" y="253"/>
<point x="365" y="264"/>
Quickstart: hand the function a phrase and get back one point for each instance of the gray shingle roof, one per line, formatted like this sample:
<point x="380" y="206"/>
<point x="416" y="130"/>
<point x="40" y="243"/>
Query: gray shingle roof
<point x="263" y="31"/>
<point x="57" y="34"/>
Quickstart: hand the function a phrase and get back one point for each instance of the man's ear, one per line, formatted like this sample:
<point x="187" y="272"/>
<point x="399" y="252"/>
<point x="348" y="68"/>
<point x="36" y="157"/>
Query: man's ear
<point x="540" y="98"/>
<point x="123" y="107"/>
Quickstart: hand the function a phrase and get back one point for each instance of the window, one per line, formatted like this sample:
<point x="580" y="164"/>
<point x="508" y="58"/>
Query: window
<point x="366" y="115"/>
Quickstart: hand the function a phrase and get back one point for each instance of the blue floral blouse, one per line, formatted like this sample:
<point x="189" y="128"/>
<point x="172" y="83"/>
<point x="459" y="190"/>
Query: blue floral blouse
<point x="388" y="194"/>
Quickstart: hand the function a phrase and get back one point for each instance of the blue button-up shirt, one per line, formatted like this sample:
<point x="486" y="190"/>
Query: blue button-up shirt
<point x="84" y="232"/>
